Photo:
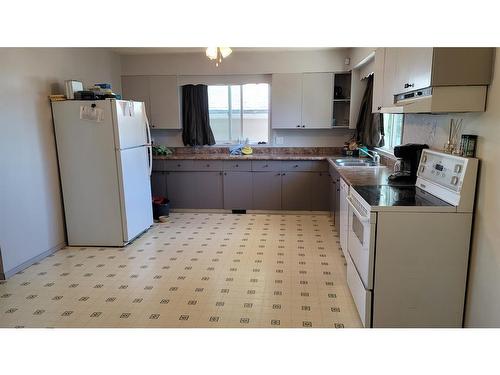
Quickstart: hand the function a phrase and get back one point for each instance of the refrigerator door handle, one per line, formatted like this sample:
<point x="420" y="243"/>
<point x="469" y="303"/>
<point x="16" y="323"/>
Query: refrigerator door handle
<point x="150" y="143"/>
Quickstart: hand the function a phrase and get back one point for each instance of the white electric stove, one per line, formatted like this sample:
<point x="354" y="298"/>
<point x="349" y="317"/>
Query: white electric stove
<point x="408" y="246"/>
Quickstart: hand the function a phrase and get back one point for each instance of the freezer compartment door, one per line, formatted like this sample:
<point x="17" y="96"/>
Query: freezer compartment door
<point x="131" y="128"/>
<point x="135" y="191"/>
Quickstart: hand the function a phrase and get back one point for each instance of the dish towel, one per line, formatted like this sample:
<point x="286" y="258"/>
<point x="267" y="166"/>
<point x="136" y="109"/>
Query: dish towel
<point x="235" y="150"/>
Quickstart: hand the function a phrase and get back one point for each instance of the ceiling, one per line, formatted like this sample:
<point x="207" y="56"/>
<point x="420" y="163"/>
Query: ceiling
<point x="162" y="50"/>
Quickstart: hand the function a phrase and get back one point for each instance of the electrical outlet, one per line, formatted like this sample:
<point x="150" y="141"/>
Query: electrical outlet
<point x="279" y="140"/>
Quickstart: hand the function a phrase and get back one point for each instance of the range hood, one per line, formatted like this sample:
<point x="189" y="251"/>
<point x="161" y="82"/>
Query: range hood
<point x="440" y="99"/>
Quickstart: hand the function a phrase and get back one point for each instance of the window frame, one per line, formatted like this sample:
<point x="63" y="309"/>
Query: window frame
<point x="234" y="141"/>
<point x="390" y="150"/>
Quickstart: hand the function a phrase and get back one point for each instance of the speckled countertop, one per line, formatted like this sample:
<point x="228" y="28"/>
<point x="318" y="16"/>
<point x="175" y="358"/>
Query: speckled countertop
<point x="352" y="175"/>
<point x="365" y="175"/>
<point x="259" y="156"/>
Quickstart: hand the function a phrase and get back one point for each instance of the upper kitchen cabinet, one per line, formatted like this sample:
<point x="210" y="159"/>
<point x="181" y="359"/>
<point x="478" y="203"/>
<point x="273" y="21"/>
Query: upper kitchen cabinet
<point x="165" y="104"/>
<point x="317" y="96"/>
<point x="301" y="100"/>
<point x="137" y="88"/>
<point x="160" y="95"/>
<point x="286" y="101"/>
<point x="432" y="80"/>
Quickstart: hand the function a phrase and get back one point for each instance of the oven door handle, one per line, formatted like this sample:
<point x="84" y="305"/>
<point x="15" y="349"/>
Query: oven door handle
<point x="362" y="218"/>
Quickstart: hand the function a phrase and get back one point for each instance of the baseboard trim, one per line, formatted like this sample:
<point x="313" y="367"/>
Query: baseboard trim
<point x="7" y="274"/>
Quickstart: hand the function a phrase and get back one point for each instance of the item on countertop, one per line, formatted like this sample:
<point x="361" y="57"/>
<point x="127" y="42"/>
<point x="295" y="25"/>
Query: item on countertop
<point x="85" y="95"/>
<point x="161" y="150"/>
<point x="72" y="86"/>
<point x="405" y="169"/>
<point x="468" y="145"/>
<point x="246" y="150"/>
<point x="236" y="150"/>
<point x="350" y="149"/>
<point x="57" y="98"/>
<point x="450" y="146"/>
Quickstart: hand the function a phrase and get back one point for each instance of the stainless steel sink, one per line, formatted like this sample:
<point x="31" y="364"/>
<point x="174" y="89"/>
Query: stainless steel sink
<point x="355" y="163"/>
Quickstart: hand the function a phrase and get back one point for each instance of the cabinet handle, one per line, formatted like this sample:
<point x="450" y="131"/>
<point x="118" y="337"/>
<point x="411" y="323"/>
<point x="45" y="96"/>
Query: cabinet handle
<point x="278" y="174"/>
<point x="283" y="174"/>
<point x="237" y="165"/>
<point x="178" y="165"/>
<point x="409" y="85"/>
<point x="225" y="174"/>
<point x="265" y="166"/>
<point x="208" y="165"/>
<point x="220" y="173"/>
<point x="303" y="126"/>
<point x="379" y="108"/>
<point x="298" y="126"/>
<point x="296" y="166"/>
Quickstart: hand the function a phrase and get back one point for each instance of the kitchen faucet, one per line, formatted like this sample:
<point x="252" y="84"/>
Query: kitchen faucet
<point x="372" y="154"/>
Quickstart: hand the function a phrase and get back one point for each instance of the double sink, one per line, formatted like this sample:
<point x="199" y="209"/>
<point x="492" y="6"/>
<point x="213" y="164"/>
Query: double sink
<point x="355" y="162"/>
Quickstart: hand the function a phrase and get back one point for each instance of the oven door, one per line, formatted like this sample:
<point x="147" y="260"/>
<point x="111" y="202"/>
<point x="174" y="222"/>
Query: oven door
<point x="361" y="240"/>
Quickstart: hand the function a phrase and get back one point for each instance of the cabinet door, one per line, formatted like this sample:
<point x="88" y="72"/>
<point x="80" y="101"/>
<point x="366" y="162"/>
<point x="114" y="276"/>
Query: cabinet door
<point x="237" y="190"/>
<point x="414" y="67"/>
<point x="319" y="193"/>
<point x="317" y="100"/>
<point x="137" y="88"/>
<point x="286" y="101"/>
<point x="378" y="80"/>
<point x="389" y="77"/>
<point x="209" y="193"/>
<point x="159" y="184"/>
<point x="165" y="103"/>
<point x="332" y="193"/>
<point x="296" y="191"/>
<point x="182" y="189"/>
<point x="266" y="191"/>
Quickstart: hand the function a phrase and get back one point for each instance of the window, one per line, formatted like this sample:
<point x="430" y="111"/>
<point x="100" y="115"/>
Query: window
<point x="238" y="112"/>
<point x="393" y="130"/>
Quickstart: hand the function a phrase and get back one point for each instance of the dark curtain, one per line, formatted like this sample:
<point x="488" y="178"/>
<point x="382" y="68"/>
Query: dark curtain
<point x="196" y="129"/>
<point x="369" y="128"/>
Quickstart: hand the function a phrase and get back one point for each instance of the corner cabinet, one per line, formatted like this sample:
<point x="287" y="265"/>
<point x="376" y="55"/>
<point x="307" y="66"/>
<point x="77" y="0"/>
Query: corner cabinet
<point x="161" y="96"/>
<point x="302" y="100"/>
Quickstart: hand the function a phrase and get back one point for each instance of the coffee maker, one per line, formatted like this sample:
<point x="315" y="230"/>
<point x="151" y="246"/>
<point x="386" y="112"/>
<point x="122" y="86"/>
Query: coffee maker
<point x="405" y="169"/>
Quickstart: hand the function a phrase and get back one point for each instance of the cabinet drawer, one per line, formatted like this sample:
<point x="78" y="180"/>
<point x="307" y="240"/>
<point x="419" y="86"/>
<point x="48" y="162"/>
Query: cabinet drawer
<point x="361" y="296"/>
<point x="158" y="165"/>
<point x="207" y="165"/>
<point x="293" y="165"/>
<point x="178" y="165"/>
<point x="237" y="165"/>
<point x="319" y="166"/>
<point x="266" y="165"/>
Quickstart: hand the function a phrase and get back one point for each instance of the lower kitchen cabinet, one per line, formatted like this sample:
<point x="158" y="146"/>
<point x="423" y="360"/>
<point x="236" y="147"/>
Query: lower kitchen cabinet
<point x="320" y="191"/>
<point x="238" y="190"/>
<point x="266" y="190"/>
<point x="296" y="191"/>
<point x="209" y="193"/>
<point x="159" y="184"/>
<point x="183" y="189"/>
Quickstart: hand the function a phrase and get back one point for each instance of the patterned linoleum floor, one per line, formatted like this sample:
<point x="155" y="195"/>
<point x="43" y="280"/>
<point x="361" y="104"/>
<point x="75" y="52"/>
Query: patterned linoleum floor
<point x="196" y="270"/>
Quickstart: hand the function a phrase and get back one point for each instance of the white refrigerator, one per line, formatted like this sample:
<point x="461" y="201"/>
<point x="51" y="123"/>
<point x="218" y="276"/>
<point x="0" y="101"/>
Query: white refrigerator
<point x="104" y="154"/>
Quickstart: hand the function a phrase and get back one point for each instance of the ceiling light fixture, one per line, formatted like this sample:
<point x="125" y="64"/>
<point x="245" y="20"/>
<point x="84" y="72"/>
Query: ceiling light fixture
<point x="218" y="53"/>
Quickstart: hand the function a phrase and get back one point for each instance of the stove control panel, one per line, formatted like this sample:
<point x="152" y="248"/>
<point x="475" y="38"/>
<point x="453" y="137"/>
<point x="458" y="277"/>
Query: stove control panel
<point x="443" y="169"/>
<point x="449" y="177"/>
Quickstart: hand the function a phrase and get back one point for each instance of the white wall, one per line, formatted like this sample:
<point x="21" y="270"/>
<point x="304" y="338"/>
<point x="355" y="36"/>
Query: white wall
<point x="483" y="300"/>
<point x="31" y="216"/>
<point x="245" y="62"/>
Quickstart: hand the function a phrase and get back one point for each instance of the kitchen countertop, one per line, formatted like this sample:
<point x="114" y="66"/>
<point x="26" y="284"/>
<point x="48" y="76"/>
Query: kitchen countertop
<point x="352" y="175"/>
<point x="259" y="156"/>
